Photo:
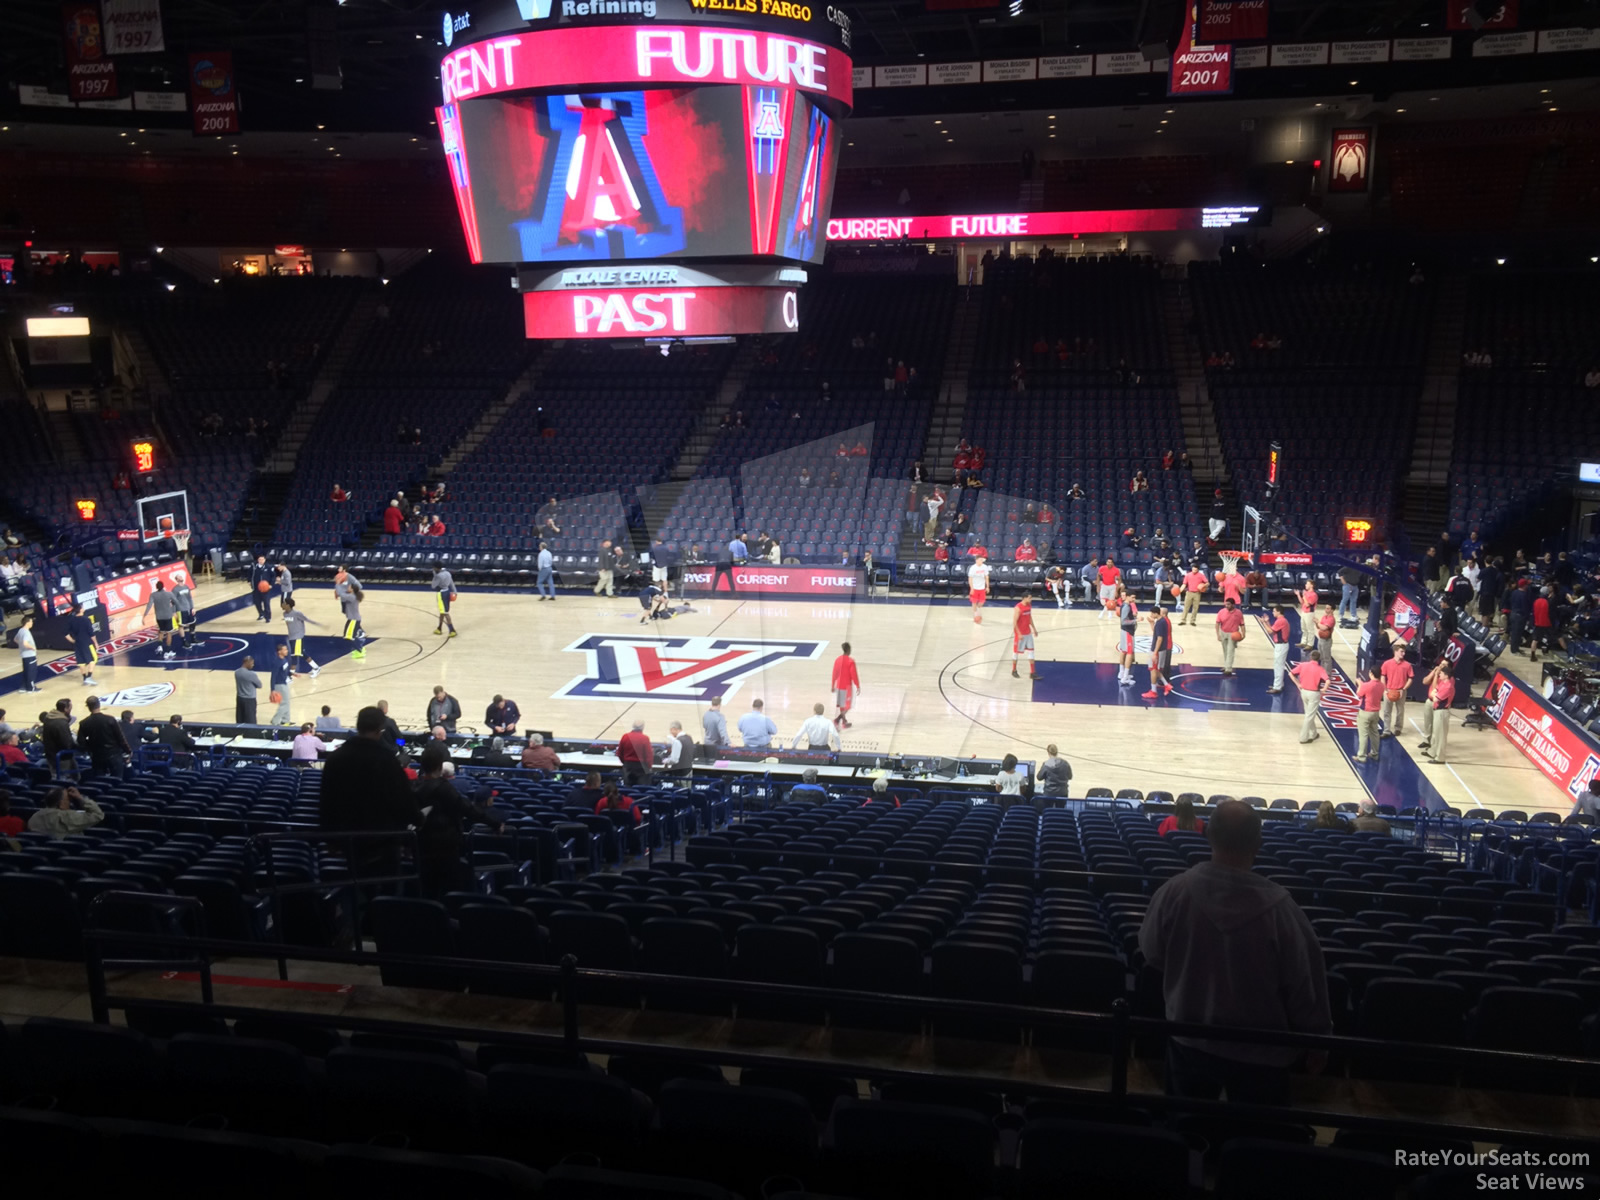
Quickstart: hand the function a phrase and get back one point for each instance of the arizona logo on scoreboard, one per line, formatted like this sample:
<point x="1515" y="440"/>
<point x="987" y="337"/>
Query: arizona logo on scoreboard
<point x="812" y="193"/>
<point x="624" y="667"/>
<point x="603" y="198"/>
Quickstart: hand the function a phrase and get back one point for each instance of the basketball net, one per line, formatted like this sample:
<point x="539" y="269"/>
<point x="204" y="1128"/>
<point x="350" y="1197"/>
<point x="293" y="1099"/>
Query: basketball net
<point x="1231" y="560"/>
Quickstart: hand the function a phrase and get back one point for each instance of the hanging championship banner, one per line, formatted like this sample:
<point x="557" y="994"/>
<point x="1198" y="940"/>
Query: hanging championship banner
<point x="213" y="95"/>
<point x="1233" y="20"/>
<point x="1502" y="18"/>
<point x="90" y="74"/>
<point x="132" y="26"/>
<point x="1199" y="69"/>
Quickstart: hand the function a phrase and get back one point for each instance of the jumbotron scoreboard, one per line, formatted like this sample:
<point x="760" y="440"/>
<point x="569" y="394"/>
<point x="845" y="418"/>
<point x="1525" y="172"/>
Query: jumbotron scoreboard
<point x="652" y="168"/>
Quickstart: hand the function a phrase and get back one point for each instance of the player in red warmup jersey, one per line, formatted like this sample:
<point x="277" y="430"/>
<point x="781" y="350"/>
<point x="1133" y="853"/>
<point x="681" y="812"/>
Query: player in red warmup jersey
<point x="846" y="685"/>
<point x="1022" y="637"/>
<point x="978" y="587"/>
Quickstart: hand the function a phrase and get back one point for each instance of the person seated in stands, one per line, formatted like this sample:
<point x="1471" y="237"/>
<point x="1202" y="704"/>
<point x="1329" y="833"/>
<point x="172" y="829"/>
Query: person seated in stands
<point x="435" y="526"/>
<point x="589" y="792"/>
<point x="393" y="519"/>
<point x="502" y="717"/>
<point x="1040" y="346"/>
<point x="1182" y="819"/>
<point x="917" y="474"/>
<point x="1029" y="515"/>
<point x="1168" y="460"/>
<point x="881" y="794"/>
<point x="326" y="723"/>
<point x="1274" y="341"/>
<point x="833" y="479"/>
<point x="859" y="450"/>
<point x="11" y="539"/>
<point x="805" y="477"/>
<point x="962" y="464"/>
<point x="1183" y="460"/>
<point x="941" y="552"/>
<point x="10" y="826"/>
<point x="1329" y="818"/>
<point x="842" y="452"/>
<point x="441" y="837"/>
<point x="727" y="420"/>
<point x="1063" y="352"/>
<point x="306" y="748"/>
<point x="402" y="434"/>
<point x="738" y="418"/>
<point x="1075" y="492"/>
<point x="64" y="813"/>
<point x="536" y="756"/>
<point x="808" y="789"/>
<point x="339" y="494"/>
<point x="416" y="435"/>
<point x="175" y="735"/>
<point x="1368" y="821"/>
<point x="439" y="734"/>
<point x="1026" y="553"/>
<point x="962" y="525"/>
<point x="611" y="800"/>
<point x="1139" y="483"/>
<point x="11" y="754"/>
<point x="494" y="754"/>
<point x="775" y="554"/>
<point x="1259" y="342"/>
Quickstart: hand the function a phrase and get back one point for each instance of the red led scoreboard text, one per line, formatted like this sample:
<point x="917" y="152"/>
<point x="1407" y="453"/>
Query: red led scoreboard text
<point x="1358" y="531"/>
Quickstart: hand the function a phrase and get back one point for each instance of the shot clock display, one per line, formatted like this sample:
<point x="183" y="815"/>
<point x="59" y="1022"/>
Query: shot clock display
<point x="144" y="456"/>
<point x="1359" y="531"/>
<point x="87" y="509"/>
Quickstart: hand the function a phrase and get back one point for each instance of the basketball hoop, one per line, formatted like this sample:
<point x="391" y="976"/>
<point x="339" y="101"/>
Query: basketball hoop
<point x="1231" y="560"/>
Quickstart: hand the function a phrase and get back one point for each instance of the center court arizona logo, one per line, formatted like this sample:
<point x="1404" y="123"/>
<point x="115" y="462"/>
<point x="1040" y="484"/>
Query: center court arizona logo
<point x="623" y="667"/>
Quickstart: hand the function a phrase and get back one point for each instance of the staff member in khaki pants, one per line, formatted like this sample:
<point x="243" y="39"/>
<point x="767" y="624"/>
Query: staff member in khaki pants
<point x="1312" y="680"/>
<point x="1370" y="693"/>
<point x="1441" y="694"/>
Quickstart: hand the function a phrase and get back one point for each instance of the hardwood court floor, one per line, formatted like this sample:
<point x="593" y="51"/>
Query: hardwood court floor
<point x="934" y="683"/>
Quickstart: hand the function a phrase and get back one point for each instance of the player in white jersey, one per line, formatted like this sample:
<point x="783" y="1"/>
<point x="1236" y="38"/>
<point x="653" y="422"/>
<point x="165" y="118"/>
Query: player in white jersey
<point x="978" y="587"/>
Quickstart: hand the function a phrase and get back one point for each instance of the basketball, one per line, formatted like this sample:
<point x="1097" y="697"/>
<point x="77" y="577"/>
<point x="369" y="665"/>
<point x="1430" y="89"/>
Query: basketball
<point x="263" y="586"/>
<point x="276" y="697"/>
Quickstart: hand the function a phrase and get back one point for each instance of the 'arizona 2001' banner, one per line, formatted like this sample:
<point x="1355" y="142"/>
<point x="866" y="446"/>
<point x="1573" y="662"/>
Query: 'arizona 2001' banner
<point x="1199" y="69"/>
<point x="213" y="94"/>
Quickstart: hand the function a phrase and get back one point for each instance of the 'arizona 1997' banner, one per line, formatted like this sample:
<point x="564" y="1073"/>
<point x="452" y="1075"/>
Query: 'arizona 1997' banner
<point x="91" y="75"/>
<point x="213" y="93"/>
<point x="1547" y="738"/>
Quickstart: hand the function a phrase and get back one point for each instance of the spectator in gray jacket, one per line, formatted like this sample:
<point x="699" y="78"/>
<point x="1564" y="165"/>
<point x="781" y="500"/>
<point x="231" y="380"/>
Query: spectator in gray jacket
<point x="1055" y="773"/>
<point x="1234" y="948"/>
<point x="65" y="811"/>
<point x="246" y="685"/>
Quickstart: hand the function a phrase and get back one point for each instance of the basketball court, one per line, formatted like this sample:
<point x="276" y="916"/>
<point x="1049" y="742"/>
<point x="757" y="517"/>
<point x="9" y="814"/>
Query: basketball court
<point x="934" y="683"/>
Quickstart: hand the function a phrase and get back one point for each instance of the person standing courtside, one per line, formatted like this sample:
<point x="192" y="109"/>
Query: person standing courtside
<point x="978" y="588"/>
<point x="846" y="685"/>
<point x="1312" y="681"/>
<point x="1278" y="632"/>
<point x="817" y="732"/>
<point x="29" y="650"/>
<point x="1022" y="637"/>
<point x="714" y="726"/>
<point x="546" y="584"/>
<point x="282" y="674"/>
<point x="260" y="596"/>
<point x="1194" y="586"/>
<point x="1369" y="692"/>
<point x="1441" y="686"/>
<point x="295" y="623"/>
<point x="1127" y="634"/>
<point x="246" y="685"/>
<point x="1230" y="632"/>
<point x="444" y="591"/>
<point x="80" y="633"/>
<point x="1308" y="616"/>
<point x="184" y="595"/>
<point x="1110" y="576"/>
<point x="1397" y="675"/>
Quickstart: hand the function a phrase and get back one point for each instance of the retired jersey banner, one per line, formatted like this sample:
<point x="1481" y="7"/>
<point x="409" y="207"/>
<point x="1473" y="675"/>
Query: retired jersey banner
<point x="1233" y="20"/>
<point x="1503" y="17"/>
<point x="91" y="75"/>
<point x="1350" y="160"/>
<point x="1198" y="68"/>
<point x="132" y="26"/>
<point x="213" y="94"/>
<point x="1547" y="738"/>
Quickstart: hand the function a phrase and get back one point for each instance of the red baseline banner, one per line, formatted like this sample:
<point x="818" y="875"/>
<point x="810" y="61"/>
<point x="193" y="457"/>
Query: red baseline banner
<point x="1501" y="20"/>
<point x="1116" y="220"/>
<point x="1350" y="160"/>
<point x="1200" y="66"/>
<point x="660" y="312"/>
<point x="213" y="94"/>
<point x="797" y="581"/>
<point x="133" y="591"/>
<point x="1232" y="20"/>
<point x="90" y="74"/>
<point x="598" y="57"/>
<point x="1546" y="737"/>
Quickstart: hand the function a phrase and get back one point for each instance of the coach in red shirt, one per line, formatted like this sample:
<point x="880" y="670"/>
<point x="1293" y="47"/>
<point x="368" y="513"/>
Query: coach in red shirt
<point x="636" y="755"/>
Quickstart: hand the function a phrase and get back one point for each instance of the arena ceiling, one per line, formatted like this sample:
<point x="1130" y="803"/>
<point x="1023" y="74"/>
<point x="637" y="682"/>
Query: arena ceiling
<point x="387" y="51"/>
